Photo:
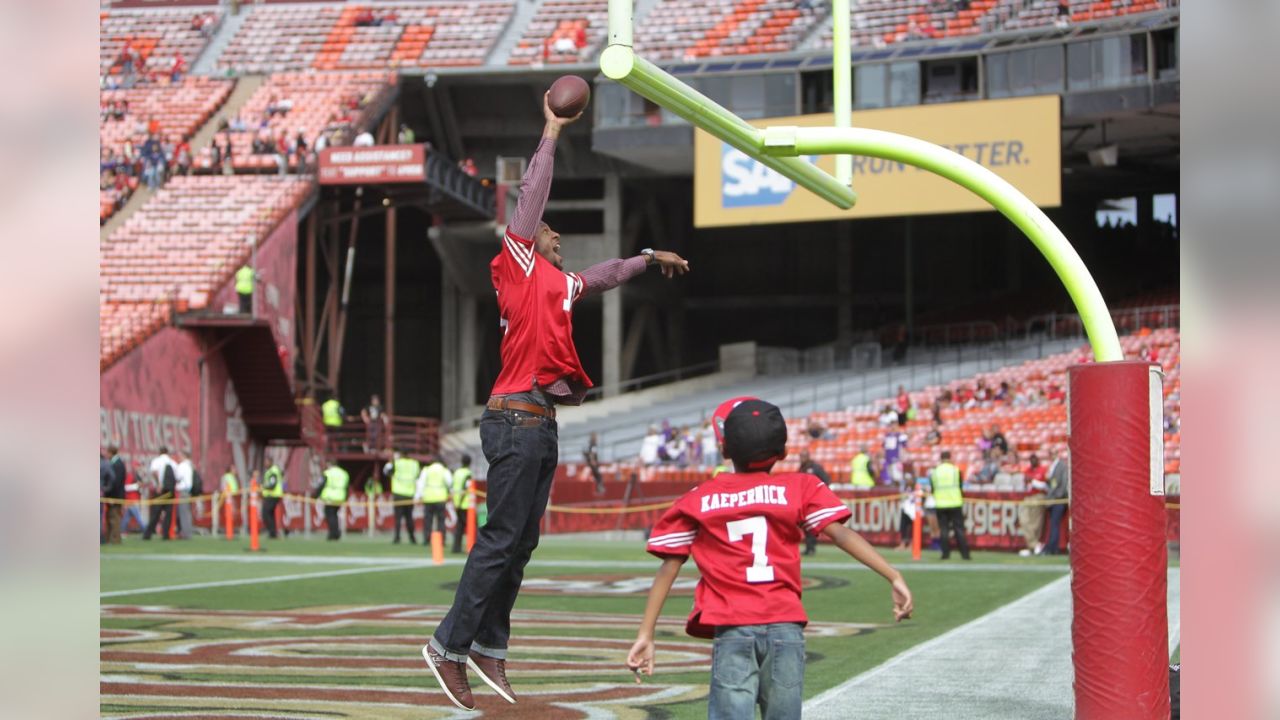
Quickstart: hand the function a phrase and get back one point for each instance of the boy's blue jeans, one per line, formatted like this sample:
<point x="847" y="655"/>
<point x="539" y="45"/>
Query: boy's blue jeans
<point x="757" y="665"/>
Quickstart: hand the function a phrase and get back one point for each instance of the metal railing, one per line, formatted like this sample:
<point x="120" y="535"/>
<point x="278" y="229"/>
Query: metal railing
<point x="666" y="376"/>
<point x="411" y="435"/>
<point x="1068" y="325"/>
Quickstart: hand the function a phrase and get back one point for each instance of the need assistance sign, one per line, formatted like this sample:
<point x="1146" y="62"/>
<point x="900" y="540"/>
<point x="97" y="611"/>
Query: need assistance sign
<point x="1018" y="139"/>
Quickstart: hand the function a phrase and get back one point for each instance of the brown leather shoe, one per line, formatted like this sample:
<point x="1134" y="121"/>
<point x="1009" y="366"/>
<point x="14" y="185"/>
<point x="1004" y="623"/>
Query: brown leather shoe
<point x="494" y="674"/>
<point x="452" y="677"/>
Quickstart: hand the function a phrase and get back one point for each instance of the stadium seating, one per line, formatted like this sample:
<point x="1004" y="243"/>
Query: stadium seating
<point x="883" y="22"/>
<point x="316" y="100"/>
<point x="156" y="34"/>
<point x="280" y="38"/>
<point x="180" y="110"/>
<point x="558" y="19"/>
<point x="179" y="248"/>
<point x="1038" y="427"/>
<point x="679" y="29"/>
<point x="1045" y="12"/>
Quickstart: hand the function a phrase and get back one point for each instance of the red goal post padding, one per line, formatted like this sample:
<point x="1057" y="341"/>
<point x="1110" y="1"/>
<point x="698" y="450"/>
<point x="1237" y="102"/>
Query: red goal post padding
<point x="1119" y="560"/>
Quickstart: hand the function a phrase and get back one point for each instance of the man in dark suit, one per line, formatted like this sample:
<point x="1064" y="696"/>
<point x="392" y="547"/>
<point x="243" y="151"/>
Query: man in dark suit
<point x="813" y="467"/>
<point x="1060" y="490"/>
<point x="112" y="480"/>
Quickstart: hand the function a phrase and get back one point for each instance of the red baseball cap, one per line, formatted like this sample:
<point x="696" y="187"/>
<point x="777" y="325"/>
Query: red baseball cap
<point x="722" y="412"/>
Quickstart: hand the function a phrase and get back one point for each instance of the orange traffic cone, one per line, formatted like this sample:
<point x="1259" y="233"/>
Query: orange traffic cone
<point x="437" y="547"/>
<point x="471" y="525"/>
<point x="253" y="516"/>
<point x="916" y="522"/>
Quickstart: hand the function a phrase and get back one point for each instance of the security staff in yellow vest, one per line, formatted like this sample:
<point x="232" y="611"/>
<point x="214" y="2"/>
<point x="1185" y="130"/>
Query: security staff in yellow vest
<point x="245" y="277"/>
<point x="404" y="473"/>
<point x="333" y="493"/>
<point x="464" y="498"/>
<point x="230" y="489"/>
<point x="860" y="475"/>
<point x="332" y="412"/>
<point x="272" y="491"/>
<point x="433" y="492"/>
<point x="949" y="503"/>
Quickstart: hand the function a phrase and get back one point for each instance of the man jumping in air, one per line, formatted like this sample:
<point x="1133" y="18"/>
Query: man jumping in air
<point x="518" y="434"/>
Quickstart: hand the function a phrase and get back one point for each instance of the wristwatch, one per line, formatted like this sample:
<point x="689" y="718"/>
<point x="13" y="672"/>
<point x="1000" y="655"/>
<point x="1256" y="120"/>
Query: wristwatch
<point x="649" y="256"/>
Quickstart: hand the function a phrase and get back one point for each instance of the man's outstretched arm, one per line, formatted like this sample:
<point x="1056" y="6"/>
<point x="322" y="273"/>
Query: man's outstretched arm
<point x="612" y="273"/>
<point x="535" y="186"/>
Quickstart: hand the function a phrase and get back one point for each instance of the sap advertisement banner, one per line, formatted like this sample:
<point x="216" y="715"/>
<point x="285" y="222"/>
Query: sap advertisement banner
<point x="1019" y="139"/>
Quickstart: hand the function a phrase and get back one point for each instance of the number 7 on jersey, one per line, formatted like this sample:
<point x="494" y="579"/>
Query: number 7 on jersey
<point x="757" y="527"/>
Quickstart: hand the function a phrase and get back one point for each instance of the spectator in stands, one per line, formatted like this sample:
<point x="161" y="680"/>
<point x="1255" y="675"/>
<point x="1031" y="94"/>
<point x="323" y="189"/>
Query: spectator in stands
<point x="182" y="159"/>
<point x="990" y="466"/>
<point x="364" y="139"/>
<point x="1003" y="393"/>
<point x="1064" y="13"/>
<point x="1059" y="479"/>
<point x="1030" y="513"/>
<point x="1055" y="394"/>
<point x="277" y="106"/>
<point x="468" y="166"/>
<point x="935" y="434"/>
<point x="903" y="403"/>
<point x="887" y="416"/>
<point x="564" y="45"/>
<point x="152" y="162"/>
<point x="364" y="18"/>
<point x="1145" y="353"/>
<point x="649" y="446"/>
<point x="676" y="448"/>
<point x="815" y="429"/>
<point x="300" y="151"/>
<point x="245" y="280"/>
<point x="406" y="136"/>
<point x="375" y="420"/>
<point x="580" y="38"/>
<point x="998" y="441"/>
<point x="178" y="68"/>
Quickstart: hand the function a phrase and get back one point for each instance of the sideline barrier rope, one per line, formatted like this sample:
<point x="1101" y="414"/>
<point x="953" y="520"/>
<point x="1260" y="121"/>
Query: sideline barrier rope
<point x="582" y="510"/>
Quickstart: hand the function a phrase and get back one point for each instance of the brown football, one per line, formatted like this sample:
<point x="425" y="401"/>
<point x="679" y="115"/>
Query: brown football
<point x="568" y="96"/>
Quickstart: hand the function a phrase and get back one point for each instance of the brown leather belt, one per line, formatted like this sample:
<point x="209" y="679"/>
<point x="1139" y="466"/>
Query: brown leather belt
<point x="501" y="403"/>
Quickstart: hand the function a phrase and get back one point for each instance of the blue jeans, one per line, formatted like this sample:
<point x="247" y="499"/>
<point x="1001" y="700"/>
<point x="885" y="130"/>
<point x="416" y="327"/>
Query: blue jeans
<point x="757" y="665"/>
<point x="1055" y="529"/>
<point x="522" y="450"/>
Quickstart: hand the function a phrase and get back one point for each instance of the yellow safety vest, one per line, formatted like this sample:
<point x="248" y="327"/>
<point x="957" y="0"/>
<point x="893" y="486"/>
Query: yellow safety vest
<point x="946" y="486"/>
<point x="860" y="476"/>
<point x="273" y="482"/>
<point x="244" y="280"/>
<point x="435" y="489"/>
<point x="462" y="495"/>
<point x="230" y="485"/>
<point x="332" y="411"/>
<point x="404" y="476"/>
<point x="719" y="469"/>
<point x="335" y="485"/>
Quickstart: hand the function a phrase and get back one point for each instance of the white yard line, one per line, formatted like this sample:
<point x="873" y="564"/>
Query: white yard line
<point x="254" y="581"/>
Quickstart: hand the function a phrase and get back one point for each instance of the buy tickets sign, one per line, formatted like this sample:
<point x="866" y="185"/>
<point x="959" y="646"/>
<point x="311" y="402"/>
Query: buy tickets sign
<point x="373" y="165"/>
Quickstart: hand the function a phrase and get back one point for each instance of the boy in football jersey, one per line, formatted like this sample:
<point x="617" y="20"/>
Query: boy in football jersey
<point x="743" y="529"/>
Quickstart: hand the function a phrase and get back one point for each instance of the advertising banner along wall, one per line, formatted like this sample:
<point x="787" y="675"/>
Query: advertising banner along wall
<point x="1019" y="139"/>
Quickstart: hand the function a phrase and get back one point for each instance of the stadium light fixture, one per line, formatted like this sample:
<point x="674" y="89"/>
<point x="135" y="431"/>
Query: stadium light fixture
<point x="779" y="148"/>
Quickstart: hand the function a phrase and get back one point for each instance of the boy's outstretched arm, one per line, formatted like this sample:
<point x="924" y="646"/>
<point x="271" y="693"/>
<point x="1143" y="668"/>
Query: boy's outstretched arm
<point x="862" y="551"/>
<point x="640" y="659"/>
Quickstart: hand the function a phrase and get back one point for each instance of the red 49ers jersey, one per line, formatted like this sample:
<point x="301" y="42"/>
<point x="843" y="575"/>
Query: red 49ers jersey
<point x="535" y="301"/>
<point x="743" y="531"/>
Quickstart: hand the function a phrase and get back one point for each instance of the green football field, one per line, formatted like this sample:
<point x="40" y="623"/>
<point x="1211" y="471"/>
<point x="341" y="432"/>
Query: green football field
<point x="315" y="629"/>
